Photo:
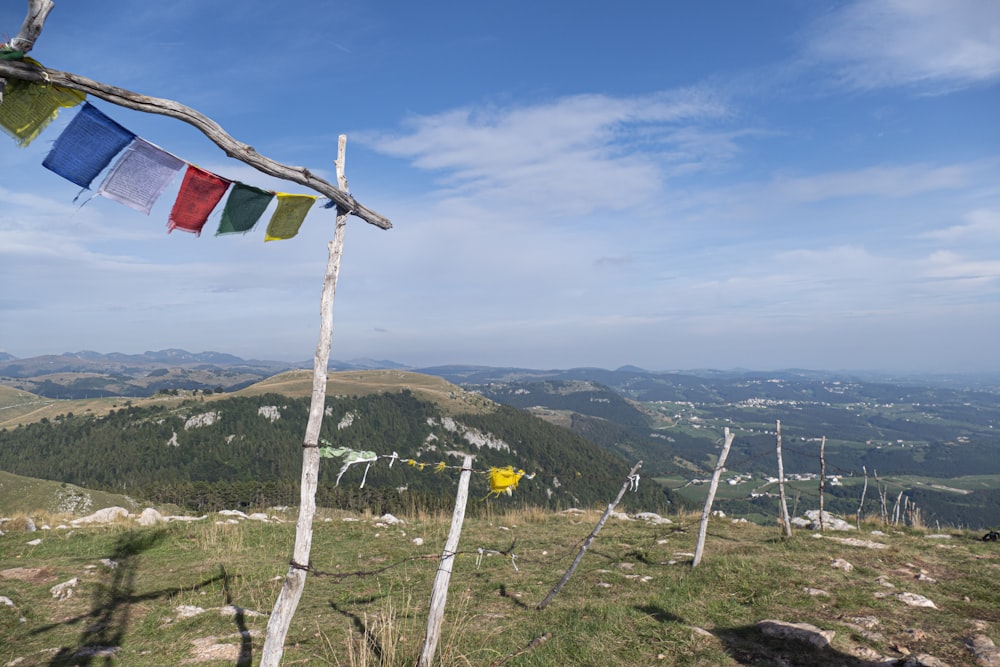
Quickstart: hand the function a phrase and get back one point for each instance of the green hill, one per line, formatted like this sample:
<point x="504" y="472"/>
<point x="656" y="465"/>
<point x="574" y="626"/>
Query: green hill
<point x="28" y="495"/>
<point x="244" y="450"/>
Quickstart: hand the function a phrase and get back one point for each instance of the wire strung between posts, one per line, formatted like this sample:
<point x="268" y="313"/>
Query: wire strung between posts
<point x="507" y="553"/>
<point x="502" y="480"/>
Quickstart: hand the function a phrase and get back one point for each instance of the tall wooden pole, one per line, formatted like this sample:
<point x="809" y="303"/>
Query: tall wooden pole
<point x="822" y="481"/>
<point x="295" y="580"/>
<point x="439" y="591"/>
<point x="712" y="488"/>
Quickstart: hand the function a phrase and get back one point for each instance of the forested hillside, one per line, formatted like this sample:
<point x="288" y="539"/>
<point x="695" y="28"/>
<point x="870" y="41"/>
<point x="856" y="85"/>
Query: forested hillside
<point x="246" y="452"/>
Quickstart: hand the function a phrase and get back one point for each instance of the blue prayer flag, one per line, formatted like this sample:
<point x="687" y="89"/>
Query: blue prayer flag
<point x="86" y="146"/>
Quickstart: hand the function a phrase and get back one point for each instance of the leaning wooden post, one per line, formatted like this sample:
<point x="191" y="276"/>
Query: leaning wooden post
<point x="781" y="488"/>
<point x="822" y="480"/>
<point x="295" y="580"/>
<point x="630" y="482"/>
<point x="439" y="591"/>
<point x="707" y="512"/>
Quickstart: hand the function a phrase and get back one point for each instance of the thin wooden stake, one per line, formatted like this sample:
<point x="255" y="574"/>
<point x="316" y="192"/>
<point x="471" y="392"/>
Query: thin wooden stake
<point x="785" y="520"/>
<point x="882" y="490"/>
<point x="707" y="512"/>
<point x="629" y="483"/>
<point x="822" y="480"/>
<point x="439" y="591"/>
<point x="864" y="490"/>
<point x="295" y="580"/>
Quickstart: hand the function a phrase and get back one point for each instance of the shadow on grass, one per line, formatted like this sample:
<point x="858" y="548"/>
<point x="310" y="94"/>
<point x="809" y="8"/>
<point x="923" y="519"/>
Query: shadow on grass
<point x="659" y="613"/>
<point x="507" y="596"/>
<point x="359" y="624"/>
<point x="245" y="658"/>
<point x="111" y="607"/>
<point x="747" y="645"/>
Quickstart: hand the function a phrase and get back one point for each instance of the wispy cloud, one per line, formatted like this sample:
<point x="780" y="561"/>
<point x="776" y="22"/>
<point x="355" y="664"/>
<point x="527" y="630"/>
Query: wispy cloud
<point x="568" y="156"/>
<point x="941" y="45"/>
<point x="983" y="225"/>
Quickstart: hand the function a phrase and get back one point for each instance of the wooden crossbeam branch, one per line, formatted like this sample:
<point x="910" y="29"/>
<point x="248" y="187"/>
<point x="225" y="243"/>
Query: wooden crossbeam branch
<point x="31" y="28"/>
<point x="233" y="148"/>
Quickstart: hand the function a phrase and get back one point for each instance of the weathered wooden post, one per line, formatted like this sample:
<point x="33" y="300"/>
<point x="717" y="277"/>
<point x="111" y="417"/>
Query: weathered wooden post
<point x="712" y="488"/>
<point x="439" y="591"/>
<point x="295" y="580"/>
<point x="864" y="490"/>
<point x="786" y="521"/>
<point x="822" y="480"/>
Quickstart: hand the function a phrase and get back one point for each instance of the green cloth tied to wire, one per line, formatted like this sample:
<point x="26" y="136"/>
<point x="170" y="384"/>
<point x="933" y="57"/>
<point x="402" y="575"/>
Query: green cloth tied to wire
<point x="350" y="457"/>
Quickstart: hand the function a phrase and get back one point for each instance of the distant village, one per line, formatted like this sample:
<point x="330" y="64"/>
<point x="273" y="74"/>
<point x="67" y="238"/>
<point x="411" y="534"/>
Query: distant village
<point x="747" y="478"/>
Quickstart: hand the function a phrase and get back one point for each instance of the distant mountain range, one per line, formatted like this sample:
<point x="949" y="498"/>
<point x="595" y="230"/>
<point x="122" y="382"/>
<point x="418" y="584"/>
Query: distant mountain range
<point x="89" y="374"/>
<point x="937" y="435"/>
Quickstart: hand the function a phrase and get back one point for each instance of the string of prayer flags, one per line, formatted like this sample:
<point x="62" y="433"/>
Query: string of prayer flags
<point x="200" y="192"/>
<point x="140" y="175"/>
<point x="27" y="108"/>
<point x="288" y="217"/>
<point x="86" y="146"/>
<point x="243" y="209"/>
<point x="91" y="140"/>
<point x="501" y="480"/>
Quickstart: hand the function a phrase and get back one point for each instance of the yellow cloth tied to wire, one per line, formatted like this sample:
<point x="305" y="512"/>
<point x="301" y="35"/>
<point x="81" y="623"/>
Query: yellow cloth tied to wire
<point x="504" y="480"/>
<point x="27" y="107"/>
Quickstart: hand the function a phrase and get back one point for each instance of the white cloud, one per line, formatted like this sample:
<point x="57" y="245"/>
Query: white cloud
<point x="878" y="181"/>
<point x="570" y="156"/>
<point x="949" y="265"/>
<point x="877" y="43"/>
<point x="983" y="226"/>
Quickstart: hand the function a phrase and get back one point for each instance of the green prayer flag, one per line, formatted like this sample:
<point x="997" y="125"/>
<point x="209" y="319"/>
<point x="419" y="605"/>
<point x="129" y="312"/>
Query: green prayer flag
<point x="243" y="209"/>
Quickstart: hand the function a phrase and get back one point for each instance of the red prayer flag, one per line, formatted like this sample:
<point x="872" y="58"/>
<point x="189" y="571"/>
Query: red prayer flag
<point x="200" y="192"/>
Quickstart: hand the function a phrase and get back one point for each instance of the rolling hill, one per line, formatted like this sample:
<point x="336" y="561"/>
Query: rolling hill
<point x="244" y="449"/>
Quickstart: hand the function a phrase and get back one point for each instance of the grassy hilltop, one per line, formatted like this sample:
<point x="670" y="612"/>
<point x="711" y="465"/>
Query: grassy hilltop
<point x="199" y="593"/>
<point x="21" y="407"/>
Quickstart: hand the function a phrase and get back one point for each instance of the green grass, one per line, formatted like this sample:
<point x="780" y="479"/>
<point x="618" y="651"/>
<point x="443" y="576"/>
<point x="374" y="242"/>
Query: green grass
<point x="19" y="495"/>
<point x="633" y="601"/>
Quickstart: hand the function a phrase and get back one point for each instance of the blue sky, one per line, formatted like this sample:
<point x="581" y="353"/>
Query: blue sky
<point x="671" y="185"/>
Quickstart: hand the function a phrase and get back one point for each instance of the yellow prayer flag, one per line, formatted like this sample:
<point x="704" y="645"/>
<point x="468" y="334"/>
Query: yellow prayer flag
<point x="288" y="217"/>
<point x="28" y="108"/>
